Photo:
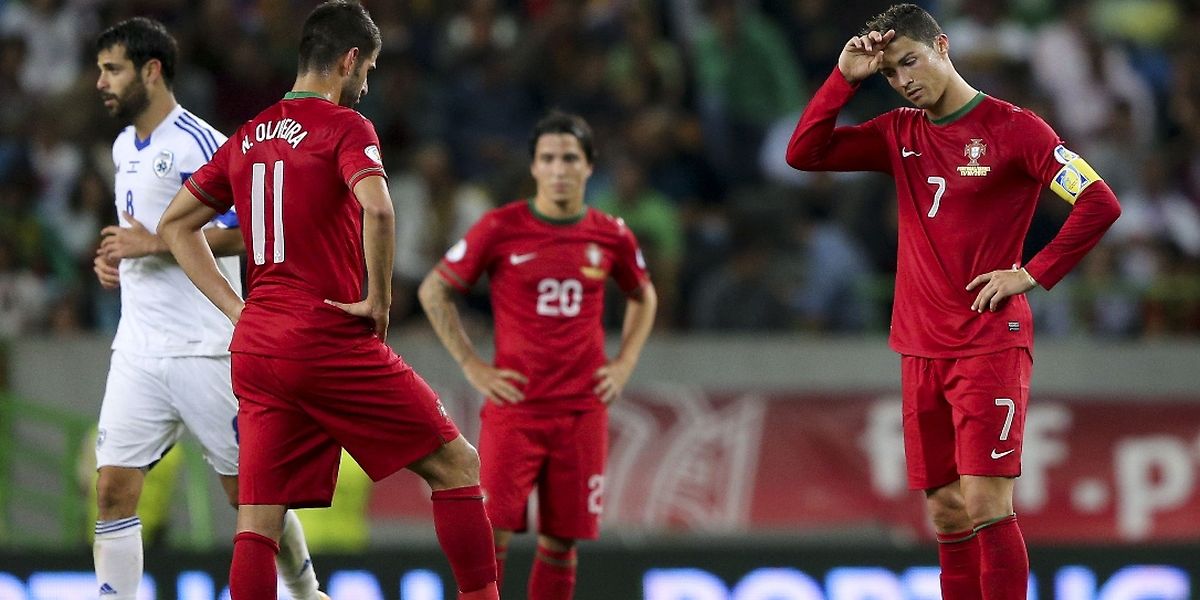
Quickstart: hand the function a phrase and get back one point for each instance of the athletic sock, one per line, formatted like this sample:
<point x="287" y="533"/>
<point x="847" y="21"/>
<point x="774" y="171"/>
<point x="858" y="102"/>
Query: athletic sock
<point x="1004" y="563"/>
<point x="252" y="574"/>
<point x="294" y="562"/>
<point x="117" y="553"/>
<point x="501" y="556"/>
<point x="465" y="534"/>
<point x="553" y="576"/>
<point x="958" y="555"/>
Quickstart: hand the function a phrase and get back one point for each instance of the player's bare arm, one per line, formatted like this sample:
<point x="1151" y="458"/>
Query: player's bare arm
<point x="379" y="242"/>
<point x="497" y="384"/>
<point x="862" y="55"/>
<point x="136" y="241"/>
<point x="999" y="285"/>
<point x="640" y="308"/>
<point x="180" y="228"/>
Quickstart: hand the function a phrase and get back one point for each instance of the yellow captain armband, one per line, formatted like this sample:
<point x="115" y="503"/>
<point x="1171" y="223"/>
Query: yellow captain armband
<point x="1074" y="176"/>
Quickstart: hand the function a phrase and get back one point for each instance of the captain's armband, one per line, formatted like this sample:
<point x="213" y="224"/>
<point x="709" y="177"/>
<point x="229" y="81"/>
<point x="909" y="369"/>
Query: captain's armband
<point x="1074" y="176"/>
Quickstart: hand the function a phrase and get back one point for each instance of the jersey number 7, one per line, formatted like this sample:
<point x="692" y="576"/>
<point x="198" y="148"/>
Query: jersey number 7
<point x="258" y="200"/>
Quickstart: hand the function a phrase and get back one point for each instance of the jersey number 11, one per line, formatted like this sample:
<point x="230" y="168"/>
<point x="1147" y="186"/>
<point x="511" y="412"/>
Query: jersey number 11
<point x="258" y="200"/>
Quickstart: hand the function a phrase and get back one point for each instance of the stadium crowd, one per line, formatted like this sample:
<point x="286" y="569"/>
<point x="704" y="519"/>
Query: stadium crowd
<point x="693" y="102"/>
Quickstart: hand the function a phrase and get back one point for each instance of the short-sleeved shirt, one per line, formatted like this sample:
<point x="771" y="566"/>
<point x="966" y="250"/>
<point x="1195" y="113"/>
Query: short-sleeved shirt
<point x="547" y="281"/>
<point x="162" y="313"/>
<point x="291" y="171"/>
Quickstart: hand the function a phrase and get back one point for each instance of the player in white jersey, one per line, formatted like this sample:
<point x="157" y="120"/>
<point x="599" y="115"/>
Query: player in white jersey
<point x="170" y="364"/>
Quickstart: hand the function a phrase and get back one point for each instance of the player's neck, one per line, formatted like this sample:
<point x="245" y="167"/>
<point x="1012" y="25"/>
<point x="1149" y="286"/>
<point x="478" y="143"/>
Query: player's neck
<point x="567" y="210"/>
<point x="328" y="88"/>
<point x="160" y="106"/>
<point x="958" y="93"/>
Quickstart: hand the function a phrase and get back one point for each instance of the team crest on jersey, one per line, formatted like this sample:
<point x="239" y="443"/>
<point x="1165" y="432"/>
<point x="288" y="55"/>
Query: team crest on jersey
<point x="974" y="151"/>
<point x="163" y="162"/>
<point x="594" y="256"/>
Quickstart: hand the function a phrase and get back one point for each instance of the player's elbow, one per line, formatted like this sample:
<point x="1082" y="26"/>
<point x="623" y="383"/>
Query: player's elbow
<point x="799" y="158"/>
<point x="431" y="291"/>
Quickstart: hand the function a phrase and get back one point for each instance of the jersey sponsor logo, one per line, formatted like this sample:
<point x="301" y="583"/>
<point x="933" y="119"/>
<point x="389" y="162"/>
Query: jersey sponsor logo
<point x="457" y="251"/>
<point x="905" y="152"/>
<point x="1014" y="325"/>
<point x="517" y="259"/>
<point x="1000" y="455"/>
<point x="107" y="590"/>
<point x="372" y="153"/>
<point x="594" y="256"/>
<point x="163" y="162"/>
<point x="974" y="151"/>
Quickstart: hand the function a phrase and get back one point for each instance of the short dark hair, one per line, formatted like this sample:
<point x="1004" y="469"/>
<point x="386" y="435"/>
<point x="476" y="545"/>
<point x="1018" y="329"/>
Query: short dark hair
<point x="332" y="29"/>
<point x="909" y="20"/>
<point x="144" y="40"/>
<point x="561" y="122"/>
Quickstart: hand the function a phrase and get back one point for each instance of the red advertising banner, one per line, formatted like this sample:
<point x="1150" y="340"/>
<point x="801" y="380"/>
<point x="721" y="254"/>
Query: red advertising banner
<point x="683" y="459"/>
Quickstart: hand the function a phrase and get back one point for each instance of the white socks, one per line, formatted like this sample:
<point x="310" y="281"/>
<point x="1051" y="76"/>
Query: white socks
<point x="293" y="562"/>
<point x="118" y="556"/>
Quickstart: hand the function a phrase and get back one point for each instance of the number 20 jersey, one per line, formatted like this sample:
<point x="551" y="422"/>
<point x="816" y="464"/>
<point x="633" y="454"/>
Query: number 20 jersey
<point x="547" y="282"/>
<point x="290" y="172"/>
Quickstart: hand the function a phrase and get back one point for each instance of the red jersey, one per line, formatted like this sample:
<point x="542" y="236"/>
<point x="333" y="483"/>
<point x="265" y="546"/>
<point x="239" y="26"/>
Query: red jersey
<point x="290" y="172"/>
<point x="547" y="282"/>
<point x="966" y="187"/>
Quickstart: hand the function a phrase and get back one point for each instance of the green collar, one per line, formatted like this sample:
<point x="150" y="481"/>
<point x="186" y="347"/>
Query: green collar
<point x="960" y="113"/>
<point x="298" y="95"/>
<point x="555" y="221"/>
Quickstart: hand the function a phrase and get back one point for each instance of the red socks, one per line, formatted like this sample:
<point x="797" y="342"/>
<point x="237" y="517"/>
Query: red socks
<point x="553" y="576"/>
<point x="465" y="534"/>
<point x="1004" y="563"/>
<point x="252" y="574"/>
<point x="958" y="555"/>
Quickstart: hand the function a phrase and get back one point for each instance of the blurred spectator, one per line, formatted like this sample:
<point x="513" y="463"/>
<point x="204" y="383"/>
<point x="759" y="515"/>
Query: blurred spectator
<point x="55" y="33"/>
<point x="433" y="210"/>
<point x="739" y="295"/>
<point x="23" y="295"/>
<point x="656" y="223"/>
<point x="746" y="78"/>
<point x="643" y="68"/>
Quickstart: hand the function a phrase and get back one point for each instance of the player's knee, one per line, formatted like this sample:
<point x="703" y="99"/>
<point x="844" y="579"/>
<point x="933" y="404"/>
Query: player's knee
<point x="948" y="512"/>
<point x="463" y="462"/>
<point x="116" y="498"/>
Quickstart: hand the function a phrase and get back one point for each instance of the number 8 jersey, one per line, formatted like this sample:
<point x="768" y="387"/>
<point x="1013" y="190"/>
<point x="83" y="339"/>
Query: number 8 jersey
<point x="547" y="281"/>
<point x="290" y="172"/>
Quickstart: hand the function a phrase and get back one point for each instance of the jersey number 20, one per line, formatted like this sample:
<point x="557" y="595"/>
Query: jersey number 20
<point x="559" y="298"/>
<point x="258" y="200"/>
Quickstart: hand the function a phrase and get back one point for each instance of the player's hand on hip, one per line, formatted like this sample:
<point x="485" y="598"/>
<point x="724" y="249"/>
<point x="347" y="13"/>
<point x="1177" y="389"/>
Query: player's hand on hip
<point x="106" y="271"/>
<point x="863" y="54"/>
<point x="611" y="380"/>
<point x="370" y="309"/>
<point x="998" y="285"/>
<point x="498" y="385"/>
<point x="134" y="241"/>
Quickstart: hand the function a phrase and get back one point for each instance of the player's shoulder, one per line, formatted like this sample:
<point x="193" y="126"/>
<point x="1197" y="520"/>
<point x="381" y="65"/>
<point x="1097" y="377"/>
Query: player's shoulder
<point x="512" y="214"/>
<point x="124" y="142"/>
<point x="605" y="223"/>
<point x="186" y="132"/>
<point x="1017" y="116"/>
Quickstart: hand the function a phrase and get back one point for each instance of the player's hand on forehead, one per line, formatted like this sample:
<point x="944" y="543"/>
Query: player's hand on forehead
<point x="872" y="42"/>
<point x="863" y="55"/>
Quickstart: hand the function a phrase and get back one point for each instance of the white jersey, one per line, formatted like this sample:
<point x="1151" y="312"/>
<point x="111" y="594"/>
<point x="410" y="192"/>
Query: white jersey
<point x="162" y="312"/>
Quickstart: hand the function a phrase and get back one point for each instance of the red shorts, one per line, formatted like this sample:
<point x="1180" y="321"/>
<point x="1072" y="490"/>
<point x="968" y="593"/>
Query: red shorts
<point x="964" y="416"/>
<point x="295" y="416"/>
<point x="562" y="454"/>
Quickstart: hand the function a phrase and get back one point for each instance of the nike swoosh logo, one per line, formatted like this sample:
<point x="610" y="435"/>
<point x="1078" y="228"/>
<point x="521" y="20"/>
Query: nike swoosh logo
<point x="905" y="152"/>
<point x="999" y="455"/>
<point x="517" y="259"/>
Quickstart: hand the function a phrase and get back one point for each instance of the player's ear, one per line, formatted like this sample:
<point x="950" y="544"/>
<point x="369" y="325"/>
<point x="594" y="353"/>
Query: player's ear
<point x="349" y="60"/>
<point x="151" y="70"/>
<point x="941" y="44"/>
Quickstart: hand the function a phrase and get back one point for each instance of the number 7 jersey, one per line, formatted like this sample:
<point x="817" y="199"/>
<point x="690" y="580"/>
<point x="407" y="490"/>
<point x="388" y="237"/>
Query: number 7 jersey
<point x="966" y="186"/>
<point x="547" y="280"/>
<point x="291" y="171"/>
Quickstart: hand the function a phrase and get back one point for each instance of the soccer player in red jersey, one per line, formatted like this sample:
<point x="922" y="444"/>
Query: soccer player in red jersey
<point x="545" y="420"/>
<point x="310" y="366"/>
<point x="968" y="169"/>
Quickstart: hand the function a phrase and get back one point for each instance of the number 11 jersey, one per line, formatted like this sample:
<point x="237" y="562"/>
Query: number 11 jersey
<point x="547" y="281"/>
<point x="291" y="171"/>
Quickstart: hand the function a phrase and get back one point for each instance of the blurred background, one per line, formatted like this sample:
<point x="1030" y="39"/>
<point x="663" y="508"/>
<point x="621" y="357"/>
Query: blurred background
<point x="765" y="410"/>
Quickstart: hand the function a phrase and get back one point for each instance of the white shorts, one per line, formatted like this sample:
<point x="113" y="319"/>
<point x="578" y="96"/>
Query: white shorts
<point x="149" y="401"/>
